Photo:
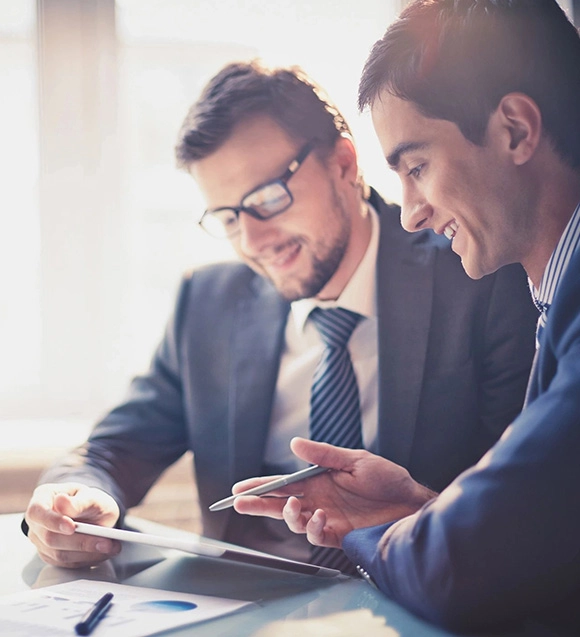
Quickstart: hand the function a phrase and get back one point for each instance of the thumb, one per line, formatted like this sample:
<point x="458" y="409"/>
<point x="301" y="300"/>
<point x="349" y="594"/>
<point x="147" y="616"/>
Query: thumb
<point x="62" y="503"/>
<point x="89" y="505"/>
<point x="68" y="505"/>
<point x="324" y="454"/>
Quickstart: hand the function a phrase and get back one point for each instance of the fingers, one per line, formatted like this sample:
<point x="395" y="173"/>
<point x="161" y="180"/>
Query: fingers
<point x="250" y="483"/>
<point x="315" y="528"/>
<point x="255" y="505"/>
<point x="314" y="525"/>
<point x="324" y="454"/>
<point x="52" y="529"/>
<point x="42" y="517"/>
<point x="88" y="505"/>
<point x="73" y="551"/>
<point x="294" y="517"/>
<point x="69" y="506"/>
<point x="319" y="533"/>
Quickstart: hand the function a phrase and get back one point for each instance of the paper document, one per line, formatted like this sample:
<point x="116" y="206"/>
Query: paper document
<point x="135" y="612"/>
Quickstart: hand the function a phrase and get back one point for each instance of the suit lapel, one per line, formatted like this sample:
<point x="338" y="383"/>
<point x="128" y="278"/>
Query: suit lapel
<point x="404" y="302"/>
<point x="256" y="349"/>
<point x="532" y="388"/>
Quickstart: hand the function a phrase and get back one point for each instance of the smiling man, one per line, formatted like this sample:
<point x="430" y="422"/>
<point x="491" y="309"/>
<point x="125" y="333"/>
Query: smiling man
<point x="310" y="252"/>
<point x="476" y="106"/>
<point x="458" y="188"/>
<point x="431" y="375"/>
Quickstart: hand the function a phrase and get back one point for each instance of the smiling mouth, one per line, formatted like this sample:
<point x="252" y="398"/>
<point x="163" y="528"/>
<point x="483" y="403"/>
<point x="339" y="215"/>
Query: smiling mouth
<point x="450" y="230"/>
<point x="282" y="259"/>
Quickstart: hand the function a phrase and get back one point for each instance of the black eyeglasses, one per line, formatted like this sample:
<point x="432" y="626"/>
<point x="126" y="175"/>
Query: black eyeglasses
<point x="264" y="202"/>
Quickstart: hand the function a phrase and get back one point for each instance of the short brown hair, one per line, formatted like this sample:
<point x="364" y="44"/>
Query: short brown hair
<point x="456" y="59"/>
<point x="243" y="89"/>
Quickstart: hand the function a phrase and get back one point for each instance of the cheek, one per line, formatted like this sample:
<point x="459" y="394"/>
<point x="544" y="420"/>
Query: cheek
<point x="456" y="190"/>
<point x="309" y="218"/>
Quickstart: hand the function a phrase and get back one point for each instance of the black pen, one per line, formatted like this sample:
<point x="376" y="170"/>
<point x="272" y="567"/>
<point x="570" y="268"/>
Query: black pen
<point x="94" y="615"/>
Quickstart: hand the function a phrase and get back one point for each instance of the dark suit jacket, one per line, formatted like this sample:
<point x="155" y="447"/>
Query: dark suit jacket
<point x="452" y="375"/>
<point x="502" y="543"/>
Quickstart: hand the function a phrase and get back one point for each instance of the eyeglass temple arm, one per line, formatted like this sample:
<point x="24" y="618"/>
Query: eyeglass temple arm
<point x="295" y="165"/>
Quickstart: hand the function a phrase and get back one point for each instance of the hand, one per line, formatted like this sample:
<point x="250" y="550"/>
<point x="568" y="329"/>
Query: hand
<point x="50" y="516"/>
<point x="361" y="490"/>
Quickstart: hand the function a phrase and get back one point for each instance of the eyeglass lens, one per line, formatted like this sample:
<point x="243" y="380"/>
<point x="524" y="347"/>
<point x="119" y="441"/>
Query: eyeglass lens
<point x="266" y="201"/>
<point x="220" y="223"/>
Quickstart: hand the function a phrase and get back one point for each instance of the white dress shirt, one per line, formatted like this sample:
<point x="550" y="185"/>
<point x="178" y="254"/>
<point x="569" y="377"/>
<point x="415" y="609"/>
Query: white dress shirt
<point x="303" y="349"/>
<point x="555" y="269"/>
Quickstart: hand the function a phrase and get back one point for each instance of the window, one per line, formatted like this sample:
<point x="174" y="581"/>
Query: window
<point x="99" y="224"/>
<point x="20" y="327"/>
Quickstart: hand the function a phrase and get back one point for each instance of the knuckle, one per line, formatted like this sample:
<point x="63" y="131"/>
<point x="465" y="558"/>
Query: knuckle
<point x="61" y="556"/>
<point x="87" y="544"/>
<point x="34" y="512"/>
<point x="57" y="559"/>
<point x="51" y="557"/>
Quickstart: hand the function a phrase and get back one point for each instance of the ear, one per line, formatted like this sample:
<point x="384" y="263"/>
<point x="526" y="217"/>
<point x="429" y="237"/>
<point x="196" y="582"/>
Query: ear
<point x="345" y="159"/>
<point x="521" y="122"/>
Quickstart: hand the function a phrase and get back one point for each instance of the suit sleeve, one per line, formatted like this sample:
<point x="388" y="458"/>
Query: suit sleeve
<point x="127" y="451"/>
<point x="500" y="544"/>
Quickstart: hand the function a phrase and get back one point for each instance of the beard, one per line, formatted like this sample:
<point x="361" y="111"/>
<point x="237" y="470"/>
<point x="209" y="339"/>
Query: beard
<point x="324" y="261"/>
<point x="326" y="257"/>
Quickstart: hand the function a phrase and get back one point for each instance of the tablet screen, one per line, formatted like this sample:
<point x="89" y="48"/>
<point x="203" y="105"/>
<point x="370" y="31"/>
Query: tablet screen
<point x="207" y="548"/>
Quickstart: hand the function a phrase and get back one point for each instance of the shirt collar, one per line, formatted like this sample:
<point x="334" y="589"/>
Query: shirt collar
<point x="556" y="267"/>
<point x="359" y="293"/>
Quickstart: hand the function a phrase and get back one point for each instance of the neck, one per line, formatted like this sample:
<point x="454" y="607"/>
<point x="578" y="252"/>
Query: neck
<point x="360" y="237"/>
<point x="553" y="214"/>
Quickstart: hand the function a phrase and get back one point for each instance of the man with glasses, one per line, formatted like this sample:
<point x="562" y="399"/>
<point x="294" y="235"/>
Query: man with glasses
<point x="428" y="374"/>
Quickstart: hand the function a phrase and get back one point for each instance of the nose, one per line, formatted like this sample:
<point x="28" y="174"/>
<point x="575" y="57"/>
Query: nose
<point x="416" y="213"/>
<point x="254" y="235"/>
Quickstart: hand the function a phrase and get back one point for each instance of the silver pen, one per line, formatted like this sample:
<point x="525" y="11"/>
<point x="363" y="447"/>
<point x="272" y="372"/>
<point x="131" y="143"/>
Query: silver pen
<point x="309" y="472"/>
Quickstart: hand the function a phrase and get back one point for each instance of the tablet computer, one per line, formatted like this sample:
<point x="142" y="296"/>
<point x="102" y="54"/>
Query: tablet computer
<point x="207" y="548"/>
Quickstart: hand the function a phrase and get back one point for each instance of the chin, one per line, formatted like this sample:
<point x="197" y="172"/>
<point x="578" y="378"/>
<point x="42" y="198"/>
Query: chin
<point x="300" y="290"/>
<point x="473" y="270"/>
<point x="477" y="270"/>
<point x="289" y="291"/>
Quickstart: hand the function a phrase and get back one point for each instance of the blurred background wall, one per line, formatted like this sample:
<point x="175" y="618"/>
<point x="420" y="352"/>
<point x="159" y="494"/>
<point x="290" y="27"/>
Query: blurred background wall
<point x="96" y="222"/>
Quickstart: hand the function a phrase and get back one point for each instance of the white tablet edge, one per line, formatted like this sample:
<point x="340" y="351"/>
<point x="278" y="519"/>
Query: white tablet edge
<point x="206" y="549"/>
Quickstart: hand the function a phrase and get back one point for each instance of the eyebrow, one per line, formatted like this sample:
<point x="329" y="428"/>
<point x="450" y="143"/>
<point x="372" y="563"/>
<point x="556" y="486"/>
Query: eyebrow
<point x="405" y="147"/>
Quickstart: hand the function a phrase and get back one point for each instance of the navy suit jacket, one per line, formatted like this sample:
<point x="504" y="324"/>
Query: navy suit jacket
<point x="501" y="544"/>
<point x="452" y="376"/>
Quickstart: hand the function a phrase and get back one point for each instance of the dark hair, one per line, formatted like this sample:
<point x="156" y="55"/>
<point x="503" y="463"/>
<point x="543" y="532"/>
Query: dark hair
<point x="244" y="89"/>
<point x="456" y="59"/>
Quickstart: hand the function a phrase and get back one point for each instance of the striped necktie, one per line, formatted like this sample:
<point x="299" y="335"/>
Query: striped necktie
<point x="334" y="403"/>
<point x="542" y="320"/>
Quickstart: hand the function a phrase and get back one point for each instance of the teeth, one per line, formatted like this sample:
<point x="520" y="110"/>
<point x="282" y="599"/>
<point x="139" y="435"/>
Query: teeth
<point x="450" y="230"/>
